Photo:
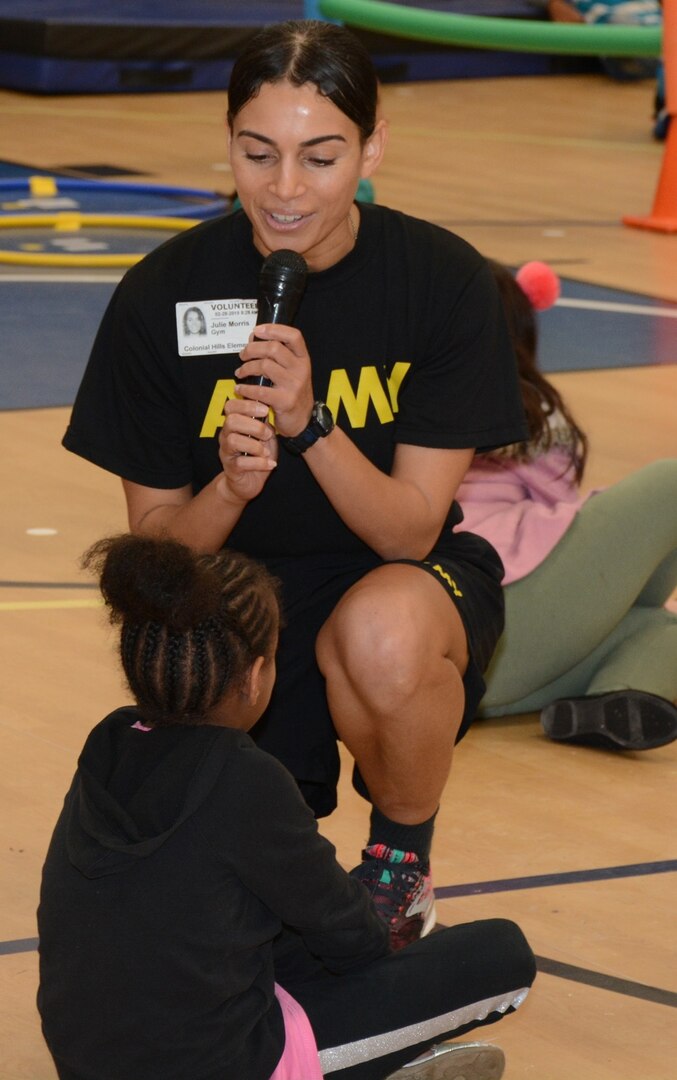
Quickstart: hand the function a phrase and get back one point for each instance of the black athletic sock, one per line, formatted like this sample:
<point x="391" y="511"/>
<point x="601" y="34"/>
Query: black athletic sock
<point x="416" y="838"/>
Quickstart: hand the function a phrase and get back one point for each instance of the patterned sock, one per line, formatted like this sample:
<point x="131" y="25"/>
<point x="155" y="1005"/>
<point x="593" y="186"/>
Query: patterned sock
<point x="400" y="838"/>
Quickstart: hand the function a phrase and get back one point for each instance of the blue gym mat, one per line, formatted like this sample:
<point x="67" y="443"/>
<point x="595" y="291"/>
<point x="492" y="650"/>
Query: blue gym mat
<point x="20" y="195"/>
<point x="134" y="46"/>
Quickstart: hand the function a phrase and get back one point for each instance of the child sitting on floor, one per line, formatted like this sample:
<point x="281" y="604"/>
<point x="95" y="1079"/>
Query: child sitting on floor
<point x="587" y="637"/>
<point x="193" y="923"/>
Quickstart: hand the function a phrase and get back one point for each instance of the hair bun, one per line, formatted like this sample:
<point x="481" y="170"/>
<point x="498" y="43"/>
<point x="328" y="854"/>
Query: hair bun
<point x="540" y="284"/>
<point x="170" y="587"/>
<point x="148" y="579"/>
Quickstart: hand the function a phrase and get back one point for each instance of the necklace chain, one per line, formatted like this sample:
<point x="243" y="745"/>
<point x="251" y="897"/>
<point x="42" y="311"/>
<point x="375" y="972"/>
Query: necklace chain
<point x="353" y="226"/>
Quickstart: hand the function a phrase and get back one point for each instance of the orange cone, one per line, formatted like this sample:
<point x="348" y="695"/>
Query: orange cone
<point x="663" y="216"/>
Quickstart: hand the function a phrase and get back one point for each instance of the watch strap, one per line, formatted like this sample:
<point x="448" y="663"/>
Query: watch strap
<point x="320" y="425"/>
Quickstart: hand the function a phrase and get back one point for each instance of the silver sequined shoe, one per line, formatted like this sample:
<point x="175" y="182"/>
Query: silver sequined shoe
<point x="455" y="1061"/>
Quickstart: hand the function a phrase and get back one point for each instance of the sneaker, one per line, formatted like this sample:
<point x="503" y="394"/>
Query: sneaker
<point x="455" y="1061"/>
<point x="621" y="720"/>
<point x="401" y="888"/>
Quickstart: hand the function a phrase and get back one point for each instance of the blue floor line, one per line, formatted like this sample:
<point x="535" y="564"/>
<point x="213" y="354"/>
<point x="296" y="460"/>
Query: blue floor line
<point x="570" y="877"/>
<point x="606" y="982"/>
<point x="536" y="881"/>
<point x="19" y="945"/>
<point x="544" y="964"/>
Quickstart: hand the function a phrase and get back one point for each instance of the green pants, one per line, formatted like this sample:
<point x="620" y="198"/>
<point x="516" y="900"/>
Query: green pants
<point x="590" y="618"/>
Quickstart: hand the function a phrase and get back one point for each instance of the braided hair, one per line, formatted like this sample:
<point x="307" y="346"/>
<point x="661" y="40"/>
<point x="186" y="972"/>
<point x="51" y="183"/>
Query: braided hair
<point x="191" y="625"/>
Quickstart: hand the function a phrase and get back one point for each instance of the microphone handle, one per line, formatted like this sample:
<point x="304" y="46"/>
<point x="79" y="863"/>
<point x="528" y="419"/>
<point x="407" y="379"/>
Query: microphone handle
<point x="274" y="310"/>
<point x="257" y="380"/>
<point x="267" y="312"/>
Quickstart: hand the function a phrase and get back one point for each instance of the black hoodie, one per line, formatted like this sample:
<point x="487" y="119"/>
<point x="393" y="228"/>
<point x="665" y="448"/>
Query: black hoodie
<point x="178" y="857"/>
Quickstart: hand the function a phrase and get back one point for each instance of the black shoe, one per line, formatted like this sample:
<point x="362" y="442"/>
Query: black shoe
<point x="621" y="720"/>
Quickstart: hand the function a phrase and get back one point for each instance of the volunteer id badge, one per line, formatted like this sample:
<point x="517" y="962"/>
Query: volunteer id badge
<point x="214" y="326"/>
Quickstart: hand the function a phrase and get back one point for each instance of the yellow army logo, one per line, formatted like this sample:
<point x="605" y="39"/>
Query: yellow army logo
<point x="372" y="389"/>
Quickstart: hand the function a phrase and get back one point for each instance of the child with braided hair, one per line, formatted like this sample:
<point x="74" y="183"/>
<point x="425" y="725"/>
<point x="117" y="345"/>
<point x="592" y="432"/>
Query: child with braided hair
<point x="193" y="923"/>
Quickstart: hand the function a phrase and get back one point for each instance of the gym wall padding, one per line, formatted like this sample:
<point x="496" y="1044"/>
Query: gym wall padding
<point x="136" y="46"/>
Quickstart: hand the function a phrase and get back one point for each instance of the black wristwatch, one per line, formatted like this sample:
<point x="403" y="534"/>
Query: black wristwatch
<point x="319" y="426"/>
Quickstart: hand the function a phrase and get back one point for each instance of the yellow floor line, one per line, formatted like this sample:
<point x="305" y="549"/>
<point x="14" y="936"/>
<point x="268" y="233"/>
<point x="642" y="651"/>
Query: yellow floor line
<point x="46" y="605"/>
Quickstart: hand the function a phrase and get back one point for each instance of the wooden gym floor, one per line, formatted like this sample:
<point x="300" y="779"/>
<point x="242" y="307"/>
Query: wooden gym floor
<point x="524" y="169"/>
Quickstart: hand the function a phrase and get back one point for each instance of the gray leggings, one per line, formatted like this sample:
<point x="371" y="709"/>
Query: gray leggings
<point x="591" y="618"/>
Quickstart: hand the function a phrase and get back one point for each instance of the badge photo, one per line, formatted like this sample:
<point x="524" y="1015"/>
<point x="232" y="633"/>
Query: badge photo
<point x="204" y="327"/>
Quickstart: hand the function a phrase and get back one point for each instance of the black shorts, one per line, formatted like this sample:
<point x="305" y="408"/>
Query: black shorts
<point x="297" y="727"/>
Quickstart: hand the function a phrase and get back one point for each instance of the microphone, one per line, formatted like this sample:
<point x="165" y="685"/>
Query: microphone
<point x="282" y="282"/>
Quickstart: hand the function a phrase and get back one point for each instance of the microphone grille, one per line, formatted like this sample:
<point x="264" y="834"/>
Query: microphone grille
<point x="285" y="260"/>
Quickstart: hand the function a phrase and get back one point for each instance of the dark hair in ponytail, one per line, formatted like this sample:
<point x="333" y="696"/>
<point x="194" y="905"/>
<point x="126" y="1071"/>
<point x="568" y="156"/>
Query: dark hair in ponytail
<point x="191" y="625"/>
<point x="539" y="396"/>
<point x="328" y="56"/>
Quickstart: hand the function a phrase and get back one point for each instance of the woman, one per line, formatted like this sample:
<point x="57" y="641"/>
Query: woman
<point x="398" y="368"/>
<point x="588" y="638"/>
<point x="194" y="322"/>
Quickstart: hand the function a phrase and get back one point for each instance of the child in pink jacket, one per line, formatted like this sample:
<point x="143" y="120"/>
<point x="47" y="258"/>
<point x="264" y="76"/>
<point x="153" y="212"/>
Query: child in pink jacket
<point x="588" y="639"/>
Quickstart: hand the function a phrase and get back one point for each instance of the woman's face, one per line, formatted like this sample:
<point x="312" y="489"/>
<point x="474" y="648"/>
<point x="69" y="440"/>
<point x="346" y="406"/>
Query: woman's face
<point x="193" y="322"/>
<point x="297" y="161"/>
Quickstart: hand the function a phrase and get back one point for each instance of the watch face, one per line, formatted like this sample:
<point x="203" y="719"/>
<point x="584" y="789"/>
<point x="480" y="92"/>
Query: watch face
<point x="322" y="417"/>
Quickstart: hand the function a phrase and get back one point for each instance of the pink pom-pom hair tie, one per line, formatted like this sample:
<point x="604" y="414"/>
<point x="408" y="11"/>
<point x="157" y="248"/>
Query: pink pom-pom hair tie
<point x="540" y="284"/>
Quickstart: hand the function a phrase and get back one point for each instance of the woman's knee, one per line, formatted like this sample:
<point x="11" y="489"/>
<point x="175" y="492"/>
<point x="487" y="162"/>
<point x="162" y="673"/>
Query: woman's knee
<point x="373" y="634"/>
<point x="396" y="630"/>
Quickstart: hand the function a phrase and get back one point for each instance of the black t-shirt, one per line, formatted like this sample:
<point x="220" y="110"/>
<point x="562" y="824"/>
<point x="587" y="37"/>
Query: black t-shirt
<point x="408" y="345"/>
